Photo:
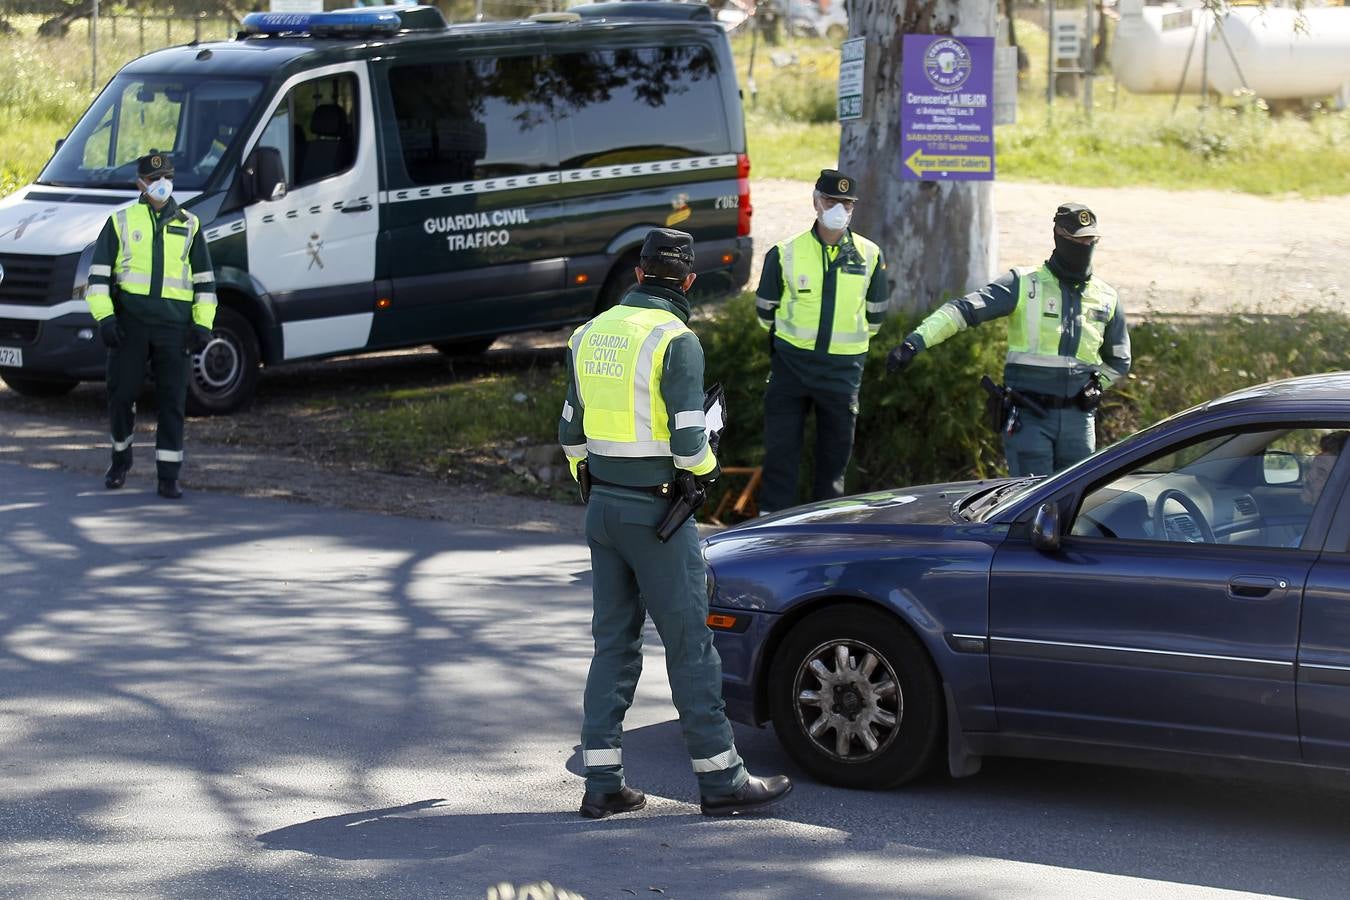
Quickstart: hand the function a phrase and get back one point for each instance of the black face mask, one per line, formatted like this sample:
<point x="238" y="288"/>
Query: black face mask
<point x="1073" y="258"/>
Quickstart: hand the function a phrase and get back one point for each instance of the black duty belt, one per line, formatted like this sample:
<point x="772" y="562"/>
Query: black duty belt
<point x="1049" y="401"/>
<point x="656" y="490"/>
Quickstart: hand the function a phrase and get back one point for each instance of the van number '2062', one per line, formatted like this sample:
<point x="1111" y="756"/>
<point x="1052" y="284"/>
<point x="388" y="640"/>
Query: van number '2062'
<point x="729" y="202"/>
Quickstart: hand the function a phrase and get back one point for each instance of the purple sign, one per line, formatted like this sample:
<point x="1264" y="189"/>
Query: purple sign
<point x="947" y="115"/>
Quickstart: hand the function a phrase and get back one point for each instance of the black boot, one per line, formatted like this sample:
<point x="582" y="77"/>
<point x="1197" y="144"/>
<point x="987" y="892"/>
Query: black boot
<point x="754" y="795"/>
<point x="116" y="476"/>
<point x="595" y="805"/>
<point x="169" y="489"/>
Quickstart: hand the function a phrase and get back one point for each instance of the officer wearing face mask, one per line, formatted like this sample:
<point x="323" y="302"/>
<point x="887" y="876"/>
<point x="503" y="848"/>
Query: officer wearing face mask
<point x="153" y="294"/>
<point x="1067" y="342"/>
<point x="822" y="295"/>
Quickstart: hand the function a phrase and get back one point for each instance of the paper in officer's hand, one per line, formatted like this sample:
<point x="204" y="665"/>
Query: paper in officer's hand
<point x="714" y="410"/>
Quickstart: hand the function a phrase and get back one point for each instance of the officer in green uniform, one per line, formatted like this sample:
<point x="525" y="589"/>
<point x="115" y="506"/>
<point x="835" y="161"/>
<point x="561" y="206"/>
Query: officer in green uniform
<point x="153" y="293"/>
<point x="822" y="295"/>
<point x="633" y="415"/>
<point x="1067" y="341"/>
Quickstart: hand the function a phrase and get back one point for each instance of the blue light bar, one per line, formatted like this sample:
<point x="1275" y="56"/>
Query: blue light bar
<point x="341" y="22"/>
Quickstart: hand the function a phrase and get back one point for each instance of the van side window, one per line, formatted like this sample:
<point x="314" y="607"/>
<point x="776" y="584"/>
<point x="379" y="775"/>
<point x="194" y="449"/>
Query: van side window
<point x="315" y="128"/>
<point x="639" y="105"/>
<point x="470" y="119"/>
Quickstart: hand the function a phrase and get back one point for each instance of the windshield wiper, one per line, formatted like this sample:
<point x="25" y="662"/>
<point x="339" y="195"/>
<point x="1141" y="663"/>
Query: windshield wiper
<point x="990" y="499"/>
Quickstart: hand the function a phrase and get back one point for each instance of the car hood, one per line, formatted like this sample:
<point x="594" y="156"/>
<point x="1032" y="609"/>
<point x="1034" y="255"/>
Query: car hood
<point x="51" y="221"/>
<point x="928" y="504"/>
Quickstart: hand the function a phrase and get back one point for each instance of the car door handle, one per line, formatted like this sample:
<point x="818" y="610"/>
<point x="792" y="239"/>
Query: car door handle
<point x="356" y="207"/>
<point x="1254" y="587"/>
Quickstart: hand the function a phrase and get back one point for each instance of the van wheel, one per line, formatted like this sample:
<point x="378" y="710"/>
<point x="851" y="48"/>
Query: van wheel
<point x="854" y="699"/>
<point x="37" y="387"/>
<point x="620" y="281"/>
<point x="466" y="347"/>
<point x="225" y="374"/>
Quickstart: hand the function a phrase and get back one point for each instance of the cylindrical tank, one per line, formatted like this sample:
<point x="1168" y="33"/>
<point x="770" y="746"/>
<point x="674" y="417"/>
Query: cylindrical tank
<point x="1283" y="54"/>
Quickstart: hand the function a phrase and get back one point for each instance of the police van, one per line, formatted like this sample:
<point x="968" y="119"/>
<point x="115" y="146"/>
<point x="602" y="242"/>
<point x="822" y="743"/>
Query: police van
<point x="375" y="178"/>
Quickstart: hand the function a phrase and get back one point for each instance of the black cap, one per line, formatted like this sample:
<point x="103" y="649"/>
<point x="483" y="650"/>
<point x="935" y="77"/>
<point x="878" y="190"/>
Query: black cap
<point x="1077" y="221"/>
<point x="833" y="183"/>
<point x="154" y="165"/>
<point x="669" y="250"/>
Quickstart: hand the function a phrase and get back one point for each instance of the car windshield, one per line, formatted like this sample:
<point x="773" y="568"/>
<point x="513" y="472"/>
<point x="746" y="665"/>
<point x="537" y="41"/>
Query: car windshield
<point x="1009" y="496"/>
<point x="193" y="119"/>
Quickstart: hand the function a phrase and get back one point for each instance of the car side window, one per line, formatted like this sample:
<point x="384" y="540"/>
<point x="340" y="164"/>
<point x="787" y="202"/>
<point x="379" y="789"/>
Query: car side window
<point x="315" y="128"/>
<point x="1253" y="488"/>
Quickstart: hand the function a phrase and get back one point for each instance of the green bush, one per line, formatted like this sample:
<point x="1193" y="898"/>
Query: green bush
<point x="929" y="425"/>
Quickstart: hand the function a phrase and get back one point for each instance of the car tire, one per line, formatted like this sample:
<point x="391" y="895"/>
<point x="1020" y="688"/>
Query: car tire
<point x="225" y="374"/>
<point x="825" y="655"/>
<point x="38" y="387"/>
<point x="620" y="281"/>
<point x="466" y="347"/>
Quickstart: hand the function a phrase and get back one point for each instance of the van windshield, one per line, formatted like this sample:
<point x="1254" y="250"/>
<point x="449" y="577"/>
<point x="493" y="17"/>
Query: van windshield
<point x="195" y="120"/>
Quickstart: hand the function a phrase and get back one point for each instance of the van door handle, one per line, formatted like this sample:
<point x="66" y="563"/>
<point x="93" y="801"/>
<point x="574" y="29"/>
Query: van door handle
<point x="1254" y="587"/>
<point x="363" y="206"/>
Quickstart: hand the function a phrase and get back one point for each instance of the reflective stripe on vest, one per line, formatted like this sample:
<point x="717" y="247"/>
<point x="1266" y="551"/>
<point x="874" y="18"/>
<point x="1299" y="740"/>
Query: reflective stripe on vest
<point x="135" y="229"/>
<point x="1035" y="327"/>
<point x="618" y="358"/>
<point x="798" y="318"/>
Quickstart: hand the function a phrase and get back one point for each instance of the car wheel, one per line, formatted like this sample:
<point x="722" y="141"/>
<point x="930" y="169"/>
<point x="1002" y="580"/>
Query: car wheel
<point x="38" y="387"/>
<point x="466" y="347"/>
<point x="225" y="373"/>
<point x="620" y="281"/>
<point x="854" y="699"/>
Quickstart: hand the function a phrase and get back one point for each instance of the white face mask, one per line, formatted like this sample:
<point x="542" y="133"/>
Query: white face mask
<point x="160" y="191"/>
<point x="835" y="218"/>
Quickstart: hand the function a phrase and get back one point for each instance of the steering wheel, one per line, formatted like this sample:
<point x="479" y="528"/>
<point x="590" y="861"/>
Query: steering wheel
<point x="1186" y="503"/>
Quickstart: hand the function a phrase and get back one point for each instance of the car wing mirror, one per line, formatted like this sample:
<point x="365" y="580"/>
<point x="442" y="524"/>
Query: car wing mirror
<point x="264" y="175"/>
<point x="1280" y="467"/>
<point x="1045" y="528"/>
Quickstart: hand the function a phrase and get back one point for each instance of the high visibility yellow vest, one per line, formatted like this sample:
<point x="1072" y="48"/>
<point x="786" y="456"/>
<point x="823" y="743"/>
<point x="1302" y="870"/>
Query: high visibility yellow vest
<point x="135" y="228"/>
<point x="1035" y="326"/>
<point x="618" y="358"/>
<point x="797" y="320"/>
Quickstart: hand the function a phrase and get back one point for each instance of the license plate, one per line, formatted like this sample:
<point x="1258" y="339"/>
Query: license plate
<point x="11" y="356"/>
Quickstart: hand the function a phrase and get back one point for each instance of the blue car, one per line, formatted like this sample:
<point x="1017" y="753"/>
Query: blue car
<point x="1178" y="600"/>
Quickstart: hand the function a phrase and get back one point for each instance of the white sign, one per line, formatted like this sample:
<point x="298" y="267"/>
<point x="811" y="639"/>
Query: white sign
<point x="851" y="58"/>
<point x="1068" y="40"/>
<point x="296" y="6"/>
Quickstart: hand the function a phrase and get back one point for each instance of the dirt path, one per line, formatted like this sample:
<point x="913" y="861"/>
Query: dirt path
<point x="1170" y="251"/>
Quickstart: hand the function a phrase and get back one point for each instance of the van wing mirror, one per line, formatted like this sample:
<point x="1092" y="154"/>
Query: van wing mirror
<point x="1045" y="528"/>
<point x="264" y="175"/>
<point x="59" y="142"/>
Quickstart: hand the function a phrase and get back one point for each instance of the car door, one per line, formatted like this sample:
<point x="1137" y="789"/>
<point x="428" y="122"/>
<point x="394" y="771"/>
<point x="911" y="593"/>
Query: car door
<point x="313" y="250"/>
<point x="1324" y="641"/>
<point x="1169" y="617"/>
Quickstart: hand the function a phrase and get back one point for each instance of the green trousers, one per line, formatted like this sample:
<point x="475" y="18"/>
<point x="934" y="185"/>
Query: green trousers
<point x="165" y="348"/>
<point x="1045" y="445"/>
<point x="634" y="576"/>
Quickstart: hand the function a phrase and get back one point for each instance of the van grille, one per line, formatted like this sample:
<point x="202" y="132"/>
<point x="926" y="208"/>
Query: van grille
<point x="37" y="280"/>
<point x="19" y="331"/>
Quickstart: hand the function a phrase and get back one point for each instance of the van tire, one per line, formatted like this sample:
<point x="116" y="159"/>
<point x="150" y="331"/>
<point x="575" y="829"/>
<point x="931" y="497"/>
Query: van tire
<point x="224" y="376"/>
<point x="37" y="387"/>
<point x="620" y="281"/>
<point x="466" y="347"/>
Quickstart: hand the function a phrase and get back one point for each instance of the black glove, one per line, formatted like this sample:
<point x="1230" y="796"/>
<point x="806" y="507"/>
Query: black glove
<point x="705" y="480"/>
<point x="1090" y="397"/>
<point x="111" y="332"/>
<point x="899" y="359"/>
<point x="199" y="337"/>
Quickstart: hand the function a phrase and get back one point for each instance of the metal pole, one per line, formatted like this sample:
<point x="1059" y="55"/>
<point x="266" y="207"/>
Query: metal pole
<point x="197" y="28"/>
<point x="1090" y="62"/>
<point x="1185" y="67"/>
<point x="1050" y="63"/>
<point x="1204" y="64"/>
<point x="478" y="10"/>
<point x="93" y="45"/>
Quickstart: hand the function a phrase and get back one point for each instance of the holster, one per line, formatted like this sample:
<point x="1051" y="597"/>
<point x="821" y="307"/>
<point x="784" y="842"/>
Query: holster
<point x="584" y="480"/>
<point x="689" y="496"/>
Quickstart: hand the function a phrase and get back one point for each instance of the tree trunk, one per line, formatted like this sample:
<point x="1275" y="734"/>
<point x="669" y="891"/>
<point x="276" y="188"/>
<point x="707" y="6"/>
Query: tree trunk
<point x="939" y="237"/>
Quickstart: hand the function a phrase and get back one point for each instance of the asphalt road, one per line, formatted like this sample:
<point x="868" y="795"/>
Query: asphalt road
<point x="234" y="697"/>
